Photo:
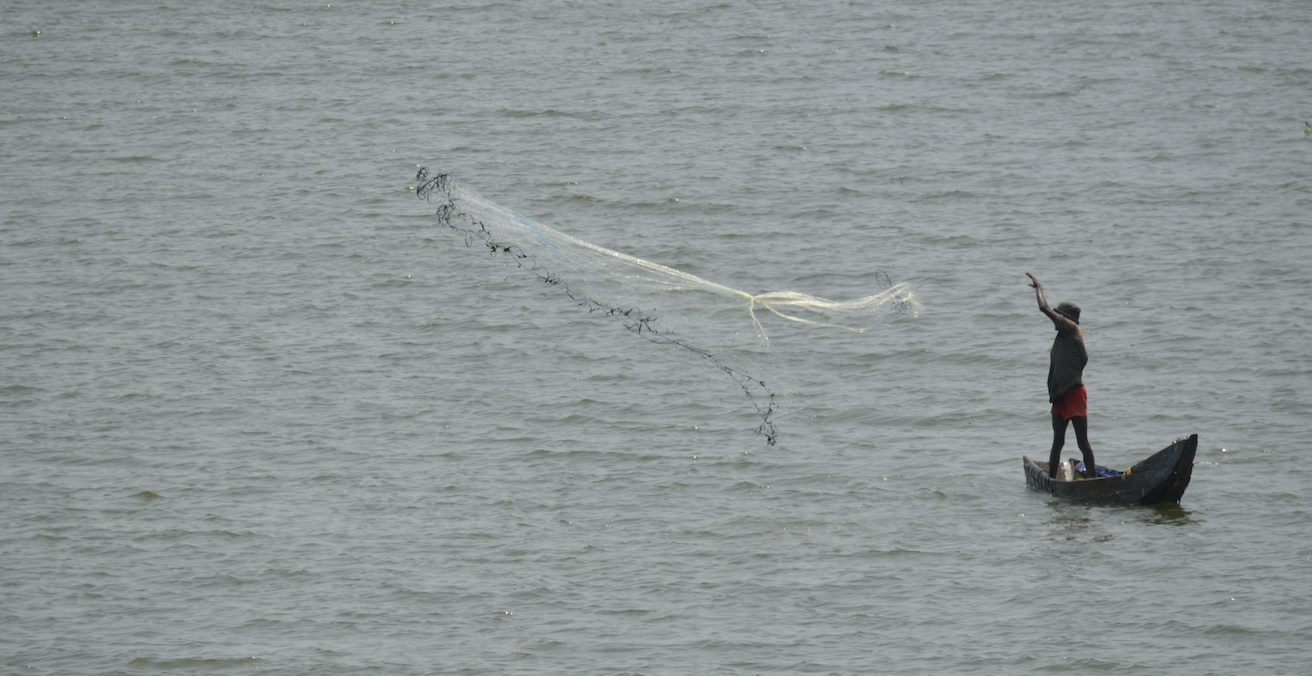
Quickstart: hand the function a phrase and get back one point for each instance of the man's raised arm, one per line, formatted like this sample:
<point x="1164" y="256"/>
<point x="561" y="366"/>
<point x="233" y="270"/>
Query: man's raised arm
<point x="1043" y="302"/>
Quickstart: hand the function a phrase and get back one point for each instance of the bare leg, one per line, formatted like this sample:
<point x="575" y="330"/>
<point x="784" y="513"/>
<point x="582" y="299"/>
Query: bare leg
<point x="1081" y="425"/>
<point x="1058" y="440"/>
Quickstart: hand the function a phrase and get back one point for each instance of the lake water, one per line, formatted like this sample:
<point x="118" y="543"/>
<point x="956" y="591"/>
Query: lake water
<point x="259" y="411"/>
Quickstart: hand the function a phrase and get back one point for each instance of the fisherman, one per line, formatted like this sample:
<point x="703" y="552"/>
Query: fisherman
<point x="1065" y="381"/>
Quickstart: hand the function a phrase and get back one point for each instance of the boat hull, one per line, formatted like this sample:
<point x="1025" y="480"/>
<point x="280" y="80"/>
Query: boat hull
<point x="1161" y="478"/>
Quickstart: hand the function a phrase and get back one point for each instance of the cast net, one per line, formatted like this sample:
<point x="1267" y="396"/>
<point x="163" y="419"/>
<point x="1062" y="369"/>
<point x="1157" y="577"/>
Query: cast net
<point x="659" y="303"/>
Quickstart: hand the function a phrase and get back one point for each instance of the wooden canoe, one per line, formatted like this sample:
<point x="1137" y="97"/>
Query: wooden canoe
<point x="1160" y="478"/>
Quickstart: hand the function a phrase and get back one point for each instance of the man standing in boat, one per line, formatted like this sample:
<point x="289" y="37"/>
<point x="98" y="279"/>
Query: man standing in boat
<point x="1066" y="381"/>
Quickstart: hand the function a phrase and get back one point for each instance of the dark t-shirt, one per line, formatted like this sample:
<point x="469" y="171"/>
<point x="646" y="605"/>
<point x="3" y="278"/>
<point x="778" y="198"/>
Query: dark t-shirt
<point x="1066" y="369"/>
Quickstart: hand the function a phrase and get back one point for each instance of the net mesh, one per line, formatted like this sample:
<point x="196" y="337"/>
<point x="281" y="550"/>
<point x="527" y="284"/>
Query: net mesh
<point x="657" y="302"/>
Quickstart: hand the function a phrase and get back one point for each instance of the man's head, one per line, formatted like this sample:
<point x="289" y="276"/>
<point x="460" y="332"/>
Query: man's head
<point x="1070" y="311"/>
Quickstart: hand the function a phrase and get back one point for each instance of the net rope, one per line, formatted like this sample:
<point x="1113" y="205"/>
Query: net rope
<point x="659" y="303"/>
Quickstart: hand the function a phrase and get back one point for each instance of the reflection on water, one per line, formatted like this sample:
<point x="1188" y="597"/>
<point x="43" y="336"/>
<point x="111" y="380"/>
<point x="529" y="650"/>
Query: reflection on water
<point x="1170" y="514"/>
<point x="1080" y="520"/>
<point x="1070" y="512"/>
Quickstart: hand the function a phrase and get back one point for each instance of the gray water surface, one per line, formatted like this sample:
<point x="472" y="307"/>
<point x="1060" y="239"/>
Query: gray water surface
<point x="259" y="411"/>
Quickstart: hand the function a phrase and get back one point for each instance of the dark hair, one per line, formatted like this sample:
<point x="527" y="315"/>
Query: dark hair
<point x="1070" y="311"/>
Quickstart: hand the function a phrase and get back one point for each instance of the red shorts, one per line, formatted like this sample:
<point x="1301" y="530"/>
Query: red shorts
<point x="1073" y="404"/>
